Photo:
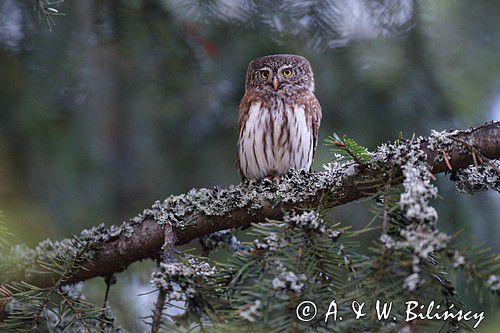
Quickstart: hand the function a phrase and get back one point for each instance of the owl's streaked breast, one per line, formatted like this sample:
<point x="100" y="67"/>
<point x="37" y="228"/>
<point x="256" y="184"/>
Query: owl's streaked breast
<point x="275" y="138"/>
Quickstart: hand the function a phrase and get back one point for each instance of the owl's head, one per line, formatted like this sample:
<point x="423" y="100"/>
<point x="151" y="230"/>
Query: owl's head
<point x="280" y="73"/>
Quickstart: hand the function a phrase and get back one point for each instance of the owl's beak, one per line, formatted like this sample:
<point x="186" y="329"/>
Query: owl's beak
<point x="275" y="83"/>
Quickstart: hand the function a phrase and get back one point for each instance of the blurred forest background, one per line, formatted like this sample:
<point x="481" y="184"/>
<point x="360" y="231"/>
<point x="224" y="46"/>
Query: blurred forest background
<point x="120" y="103"/>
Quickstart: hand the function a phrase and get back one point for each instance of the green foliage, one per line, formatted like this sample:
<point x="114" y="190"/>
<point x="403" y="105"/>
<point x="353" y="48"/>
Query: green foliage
<point x="4" y="233"/>
<point x="480" y="265"/>
<point x="288" y="264"/>
<point x="58" y="308"/>
<point x="347" y="149"/>
<point x="193" y="287"/>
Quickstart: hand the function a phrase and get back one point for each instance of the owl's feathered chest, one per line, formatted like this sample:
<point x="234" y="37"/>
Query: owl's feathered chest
<point x="275" y="136"/>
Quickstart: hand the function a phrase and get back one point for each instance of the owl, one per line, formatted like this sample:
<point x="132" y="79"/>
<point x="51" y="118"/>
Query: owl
<point x="279" y="117"/>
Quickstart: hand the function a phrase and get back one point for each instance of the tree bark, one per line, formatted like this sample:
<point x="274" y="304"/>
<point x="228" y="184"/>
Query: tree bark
<point x="147" y="238"/>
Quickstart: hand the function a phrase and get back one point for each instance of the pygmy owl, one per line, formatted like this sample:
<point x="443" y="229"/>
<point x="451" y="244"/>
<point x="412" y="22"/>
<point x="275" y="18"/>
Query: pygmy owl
<point x="279" y="117"/>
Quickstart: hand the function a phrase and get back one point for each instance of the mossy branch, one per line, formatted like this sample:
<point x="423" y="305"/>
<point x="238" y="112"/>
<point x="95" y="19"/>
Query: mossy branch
<point x="204" y="211"/>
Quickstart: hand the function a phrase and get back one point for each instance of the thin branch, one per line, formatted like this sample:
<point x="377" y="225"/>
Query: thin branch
<point x="168" y="249"/>
<point x="158" y="311"/>
<point x="5" y="297"/>
<point x="448" y="164"/>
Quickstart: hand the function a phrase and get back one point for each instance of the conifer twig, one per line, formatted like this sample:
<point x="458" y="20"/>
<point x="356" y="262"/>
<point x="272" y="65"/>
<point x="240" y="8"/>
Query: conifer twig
<point x="168" y="249"/>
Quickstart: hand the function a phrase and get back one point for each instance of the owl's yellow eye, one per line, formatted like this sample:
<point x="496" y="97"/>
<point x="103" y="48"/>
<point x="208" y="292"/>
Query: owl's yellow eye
<point x="287" y="72"/>
<point x="264" y="74"/>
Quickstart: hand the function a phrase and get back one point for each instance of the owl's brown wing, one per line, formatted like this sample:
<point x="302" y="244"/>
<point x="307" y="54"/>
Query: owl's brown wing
<point x="244" y="108"/>
<point x="313" y="113"/>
